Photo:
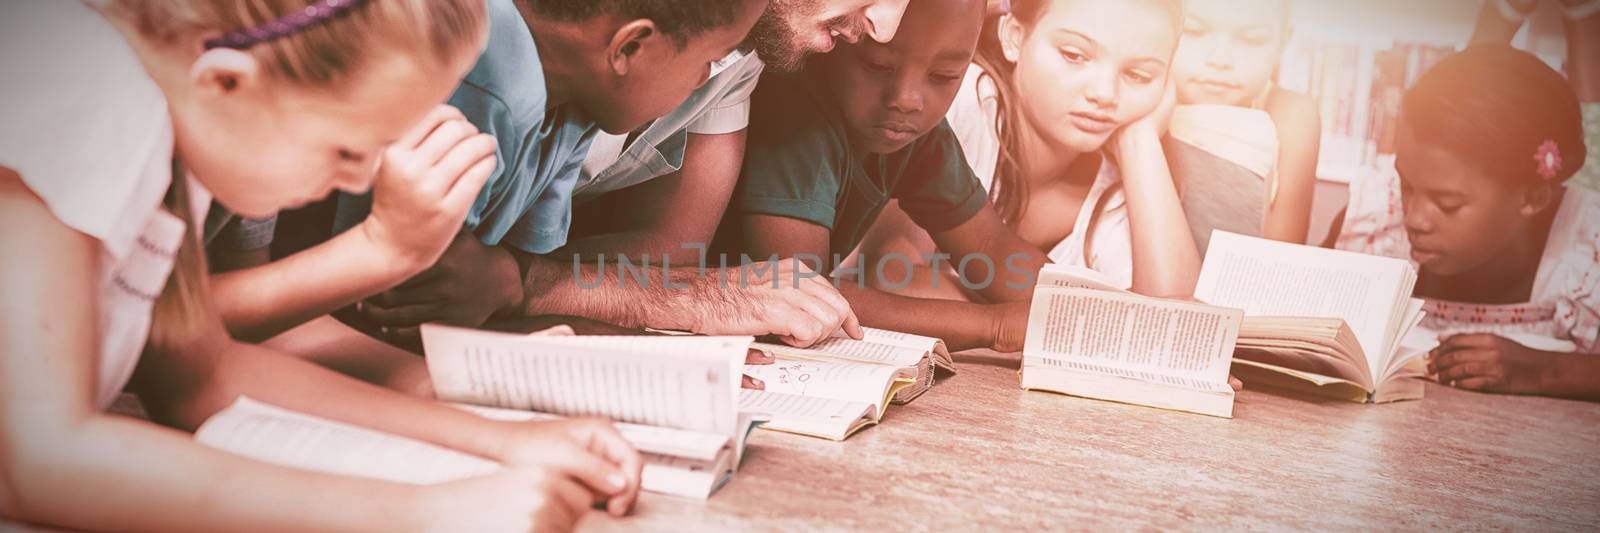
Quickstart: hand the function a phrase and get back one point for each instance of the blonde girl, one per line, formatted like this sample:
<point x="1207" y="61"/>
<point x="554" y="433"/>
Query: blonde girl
<point x="122" y="120"/>
<point x="1229" y="106"/>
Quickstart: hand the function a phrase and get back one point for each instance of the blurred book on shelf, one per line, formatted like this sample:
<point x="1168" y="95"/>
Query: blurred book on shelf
<point x="1358" y="88"/>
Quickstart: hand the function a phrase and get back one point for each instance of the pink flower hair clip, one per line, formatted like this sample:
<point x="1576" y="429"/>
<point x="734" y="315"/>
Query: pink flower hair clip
<point x="1549" y="159"/>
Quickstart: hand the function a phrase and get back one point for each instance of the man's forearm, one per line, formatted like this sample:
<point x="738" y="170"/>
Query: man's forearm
<point x="644" y="296"/>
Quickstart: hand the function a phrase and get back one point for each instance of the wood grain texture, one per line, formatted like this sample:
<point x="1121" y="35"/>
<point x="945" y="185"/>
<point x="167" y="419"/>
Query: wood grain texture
<point x="978" y="452"/>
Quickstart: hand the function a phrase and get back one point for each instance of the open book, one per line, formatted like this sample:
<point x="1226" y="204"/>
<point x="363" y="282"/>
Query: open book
<point x="920" y="356"/>
<point x="1328" y="321"/>
<point x="840" y="385"/>
<point x="826" y="399"/>
<point x="689" y="384"/>
<point x="1085" y="340"/>
<point x="681" y="463"/>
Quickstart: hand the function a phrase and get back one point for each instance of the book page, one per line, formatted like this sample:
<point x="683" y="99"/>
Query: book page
<point x="1130" y="332"/>
<point x="273" y="435"/>
<point x="649" y="439"/>
<point x="683" y="477"/>
<point x="677" y="382"/>
<point x="938" y="354"/>
<point x="1409" y="322"/>
<point x="847" y="349"/>
<point x="793" y="406"/>
<point x="905" y="340"/>
<point x="1269" y="278"/>
<point x="1072" y="276"/>
<point x="1330" y="349"/>
<point x="821" y="417"/>
<point x="1304" y="361"/>
<point x="683" y="463"/>
<point x="1080" y="368"/>
<point x="1215" y="401"/>
<point x="843" y="381"/>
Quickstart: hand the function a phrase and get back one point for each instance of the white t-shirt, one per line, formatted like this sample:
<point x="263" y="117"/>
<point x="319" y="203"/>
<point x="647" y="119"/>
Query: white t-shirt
<point x="1104" y="214"/>
<point x="719" y="107"/>
<point x="89" y="133"/>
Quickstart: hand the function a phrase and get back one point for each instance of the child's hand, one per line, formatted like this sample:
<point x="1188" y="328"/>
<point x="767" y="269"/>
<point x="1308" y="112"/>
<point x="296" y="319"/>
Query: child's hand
<point x="756" y="357"/>
<point x="800" y="315"/>
<point x="1151" y="128"/>
<point x="428" y="181"/>
<point x="514" y="500"/>
<point x="1009" y="326"/>
<point x="1490" y="363"/>
<point x="589" y="451"/>
<point x="468" y="284"/>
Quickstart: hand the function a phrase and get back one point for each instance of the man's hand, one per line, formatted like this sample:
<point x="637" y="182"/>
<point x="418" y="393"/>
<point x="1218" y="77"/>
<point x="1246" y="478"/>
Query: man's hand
<point x="1491" y="363"/>
<point x="470" y="283"/>
<point x="803" y="309"/>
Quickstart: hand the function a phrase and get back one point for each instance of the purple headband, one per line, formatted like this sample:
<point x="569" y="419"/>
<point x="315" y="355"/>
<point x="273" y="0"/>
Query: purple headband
<point x="290" y="24"/>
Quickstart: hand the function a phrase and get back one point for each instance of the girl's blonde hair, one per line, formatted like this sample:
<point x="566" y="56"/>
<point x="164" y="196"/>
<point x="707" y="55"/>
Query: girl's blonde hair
<point x="327" y="52"/>
<point x="319" y="56"/>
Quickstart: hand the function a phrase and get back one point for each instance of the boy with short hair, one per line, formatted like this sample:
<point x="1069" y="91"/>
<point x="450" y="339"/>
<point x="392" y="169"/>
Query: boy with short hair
<point x="656" y="193"/>
<point x="554" y="72"/>
<point x="865" y="125"/>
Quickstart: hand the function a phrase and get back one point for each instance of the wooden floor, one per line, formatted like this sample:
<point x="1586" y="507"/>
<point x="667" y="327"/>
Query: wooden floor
<point x="977" y="451"/>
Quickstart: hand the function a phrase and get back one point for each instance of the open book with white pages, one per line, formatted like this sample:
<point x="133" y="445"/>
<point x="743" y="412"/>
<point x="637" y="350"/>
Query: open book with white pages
<point x="823" y="399"/>
<point x="1086" y="338"/>
<point x="921" y="357"/>
<point x="681" y="463"/>
<point x="688" y="384"/>
<point x="841" y="385"/>
<point x="1330" y="322"/>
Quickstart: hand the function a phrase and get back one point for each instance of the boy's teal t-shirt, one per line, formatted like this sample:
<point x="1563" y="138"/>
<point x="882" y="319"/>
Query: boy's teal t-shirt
<point x="527" y="201"/>
<point x="799" y="163"/>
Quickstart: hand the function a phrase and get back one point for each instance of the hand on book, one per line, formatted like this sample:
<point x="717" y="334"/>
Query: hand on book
<point x="589" y="451"/>
<point x="513" y="500"/>
<point x="1490" y="363"/>
<point x="756" y="357"/>
<point x="783" y="298"/>
<point x="469" y="283"/>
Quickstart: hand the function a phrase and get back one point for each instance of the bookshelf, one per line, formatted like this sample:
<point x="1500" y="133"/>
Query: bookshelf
<point x="1356" y="56"/>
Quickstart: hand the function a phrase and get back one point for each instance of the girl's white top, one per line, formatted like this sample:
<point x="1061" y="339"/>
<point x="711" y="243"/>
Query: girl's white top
<point x="89" y="133"/>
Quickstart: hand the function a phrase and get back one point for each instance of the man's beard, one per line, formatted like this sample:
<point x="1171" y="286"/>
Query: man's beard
<point x="775" y="37"/>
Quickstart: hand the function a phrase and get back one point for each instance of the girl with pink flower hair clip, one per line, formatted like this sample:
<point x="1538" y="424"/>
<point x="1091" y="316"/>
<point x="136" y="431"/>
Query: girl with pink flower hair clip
<point x="1508" y="254"/>
<point x="1500" y="20"/>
